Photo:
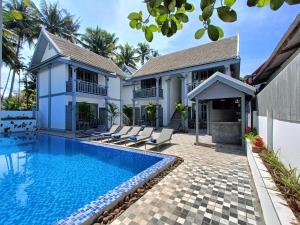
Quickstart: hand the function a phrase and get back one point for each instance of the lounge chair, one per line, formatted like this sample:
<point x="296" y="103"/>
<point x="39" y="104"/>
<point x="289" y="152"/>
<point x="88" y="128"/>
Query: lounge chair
<point x="121" y="133"/>
<point x="105" y="135"/>
<point x="145" y="134"/>
<point x="165" y="136"/>
<point x="133" y="132"/>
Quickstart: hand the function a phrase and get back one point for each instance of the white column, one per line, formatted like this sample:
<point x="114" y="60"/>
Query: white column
<point x="106" y="103"/>
<point x="133" y="106"/>
<point x="243" y="115"/>
<point x="74" y="84"/>
<point x="121" y="103"/>
<point x="197" y="122"/>
<point x="49" y="96"/>
<point x="157" y="102"/>
<point x="227" y="70"/>
<point x="208" y="116"/>
<point x="168" y="100"/>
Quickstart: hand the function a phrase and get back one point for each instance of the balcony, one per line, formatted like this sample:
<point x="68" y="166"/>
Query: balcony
<point x="87" y="87"/>
<point x="147" y="93"/>
<point x="193" y="85"/>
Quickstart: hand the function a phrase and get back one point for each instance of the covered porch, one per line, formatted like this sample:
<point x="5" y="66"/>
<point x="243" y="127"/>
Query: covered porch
<point x="226" y="101"/>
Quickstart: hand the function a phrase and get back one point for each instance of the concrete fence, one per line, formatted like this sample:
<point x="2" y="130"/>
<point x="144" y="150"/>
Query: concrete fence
<point x="17" y="121"/>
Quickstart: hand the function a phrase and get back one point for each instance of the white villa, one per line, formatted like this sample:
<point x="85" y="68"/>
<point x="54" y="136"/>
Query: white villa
<point x="204" y="78"/>
<point x="67" y="75"/>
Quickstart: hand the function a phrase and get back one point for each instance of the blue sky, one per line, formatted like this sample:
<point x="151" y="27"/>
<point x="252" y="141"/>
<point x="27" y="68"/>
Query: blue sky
<point x="260" y="29"/>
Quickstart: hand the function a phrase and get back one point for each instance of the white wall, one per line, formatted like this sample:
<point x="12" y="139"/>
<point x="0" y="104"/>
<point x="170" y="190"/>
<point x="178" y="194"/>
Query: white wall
<point x="59" y="76"/>
<point x="127" y="95"/>
<point x="58" y="112"/>
<point x="114" y="87"/>
<point x="43" y="78"/>
<point x="49" y="52"/>
<point x="43" y="113"/>
<point x="286" y="140"/>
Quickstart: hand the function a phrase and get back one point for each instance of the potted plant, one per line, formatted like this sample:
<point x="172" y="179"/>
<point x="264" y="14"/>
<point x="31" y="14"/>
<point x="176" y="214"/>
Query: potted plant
<point x="257" y="144"/>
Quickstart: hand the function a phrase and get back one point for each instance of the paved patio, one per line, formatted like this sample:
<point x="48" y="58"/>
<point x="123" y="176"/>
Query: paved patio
<point x="211" y="186"/>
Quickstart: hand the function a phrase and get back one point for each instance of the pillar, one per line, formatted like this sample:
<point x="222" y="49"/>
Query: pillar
<point x="168" y="100"/>
<point x="243" y="120"/>
<point x="106" y="103"/>
<point x="227" y="70"/>
<point x="133" y="106"/>
<point x="49" y="96"/>
<point x="74" y="84"/>
<point x="121" y="103"/>
<point x="157" y="102"/>
<point x="197" y="122"/>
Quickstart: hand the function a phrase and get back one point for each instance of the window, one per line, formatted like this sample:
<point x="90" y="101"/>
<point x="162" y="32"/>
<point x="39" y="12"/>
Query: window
<point x="201" y="75"/>
<point x="149" y="83"/>
<point x="85" y="75"/>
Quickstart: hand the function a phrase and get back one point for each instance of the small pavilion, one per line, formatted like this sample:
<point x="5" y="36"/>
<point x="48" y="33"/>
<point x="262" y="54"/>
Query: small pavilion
<point x="227" y="100"/>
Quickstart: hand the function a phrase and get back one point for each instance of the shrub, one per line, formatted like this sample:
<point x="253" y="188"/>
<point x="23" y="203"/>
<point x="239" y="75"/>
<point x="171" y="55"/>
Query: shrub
<point x="286" y="179"/>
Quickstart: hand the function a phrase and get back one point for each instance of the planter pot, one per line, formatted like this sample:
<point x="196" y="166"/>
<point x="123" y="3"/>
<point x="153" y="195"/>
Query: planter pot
<point x="257" y="149"/>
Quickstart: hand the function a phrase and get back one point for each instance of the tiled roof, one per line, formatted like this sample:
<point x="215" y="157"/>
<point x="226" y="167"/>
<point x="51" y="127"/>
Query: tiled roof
<point x="80" y="54"/>
<point x="224" y="49"/>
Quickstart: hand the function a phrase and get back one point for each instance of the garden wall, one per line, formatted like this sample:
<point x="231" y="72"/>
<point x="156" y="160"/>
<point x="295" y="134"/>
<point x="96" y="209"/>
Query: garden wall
<point x="17" y="121"/>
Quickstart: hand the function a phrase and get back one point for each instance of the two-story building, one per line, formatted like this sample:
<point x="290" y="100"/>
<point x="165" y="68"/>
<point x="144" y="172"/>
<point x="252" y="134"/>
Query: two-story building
<point x="167" y="79"/>
<point x="74" y="85"/>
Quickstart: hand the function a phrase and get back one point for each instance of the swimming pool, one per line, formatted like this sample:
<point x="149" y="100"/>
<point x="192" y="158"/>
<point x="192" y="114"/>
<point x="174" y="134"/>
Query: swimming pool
<point x="48" y="179"/>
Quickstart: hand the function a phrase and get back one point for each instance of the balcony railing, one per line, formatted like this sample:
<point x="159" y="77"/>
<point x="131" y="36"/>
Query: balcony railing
<point x="193" y="85"/>
<point x="147" y="93"/>
<point x="87" y="87"/>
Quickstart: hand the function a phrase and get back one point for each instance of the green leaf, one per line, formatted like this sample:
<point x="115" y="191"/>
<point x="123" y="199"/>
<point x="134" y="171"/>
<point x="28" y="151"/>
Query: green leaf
<point x="229" y="3"/>
<point x="213" y="32"/>
<point x="172" y="5"/>
<point x="173" y="27"/>
<point x="221" y="33"/>
<point x="276" y="4"/>
<point x="199" y="33"/>
<point x="205" y="3"/>
<point x="165" y="27"/>
<point x="189" y="7"/>
<point x="162" y="18"/>
<point x="134" y="16"/>
<point x="153" y="28"/>
<point x="16" y="14"/>
<point x="201" y="18"/>
<point x="133" y="23"/>
<point x="251" y="3"/>
<point x="292" y="2"/>
<point x="263" y="3"/>
<point x="139" y="26"/>
<point x="162" y="10"/>
<point x="207" y="12"/>
<point x="226" y="14"/>
<point x="148" y="35"/>
<point x="184" y="18"/>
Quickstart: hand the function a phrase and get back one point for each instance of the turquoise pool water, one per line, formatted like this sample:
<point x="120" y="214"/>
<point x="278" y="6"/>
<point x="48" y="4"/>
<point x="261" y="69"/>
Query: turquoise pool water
<point x="44" y="179"/>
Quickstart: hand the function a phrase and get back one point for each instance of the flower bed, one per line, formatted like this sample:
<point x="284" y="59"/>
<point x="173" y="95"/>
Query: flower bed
<point x="278" y="187"/>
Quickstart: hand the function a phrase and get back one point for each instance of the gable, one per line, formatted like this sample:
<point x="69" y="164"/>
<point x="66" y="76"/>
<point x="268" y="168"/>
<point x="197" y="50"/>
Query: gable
<point x="49" y="52"/>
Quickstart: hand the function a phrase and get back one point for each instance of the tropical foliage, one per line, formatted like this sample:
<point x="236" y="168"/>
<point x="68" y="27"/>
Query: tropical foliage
<point x="151" y="111"/>
<point x="114" y="113"/>
<point x="128" y="55"/>
<point x="183" y="110"/>
<point x="58" y="21"/>
<point x="169" y="16"/>
<point x="99" y="41"/>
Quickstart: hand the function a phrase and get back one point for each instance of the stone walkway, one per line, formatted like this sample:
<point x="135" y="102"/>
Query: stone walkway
<point x="211" y="186"/>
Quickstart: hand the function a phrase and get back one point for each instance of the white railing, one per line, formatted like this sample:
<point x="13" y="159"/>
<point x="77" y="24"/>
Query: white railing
<point x="87" y="87"/>
<point x="147" y="93"/>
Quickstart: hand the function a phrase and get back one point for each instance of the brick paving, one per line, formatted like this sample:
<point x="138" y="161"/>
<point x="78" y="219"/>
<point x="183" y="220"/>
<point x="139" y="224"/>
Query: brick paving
<point x="211" y="186"/>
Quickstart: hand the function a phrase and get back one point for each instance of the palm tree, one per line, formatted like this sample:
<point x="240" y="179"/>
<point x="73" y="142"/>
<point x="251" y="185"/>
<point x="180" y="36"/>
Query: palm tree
<point x="59" y="21"/>
<point x="24" y="24"/>
<point x="144" y="52"/>
<point x="127" y="55"/>
<point x="99" y="41"/>
<point x="154" y="53"/>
